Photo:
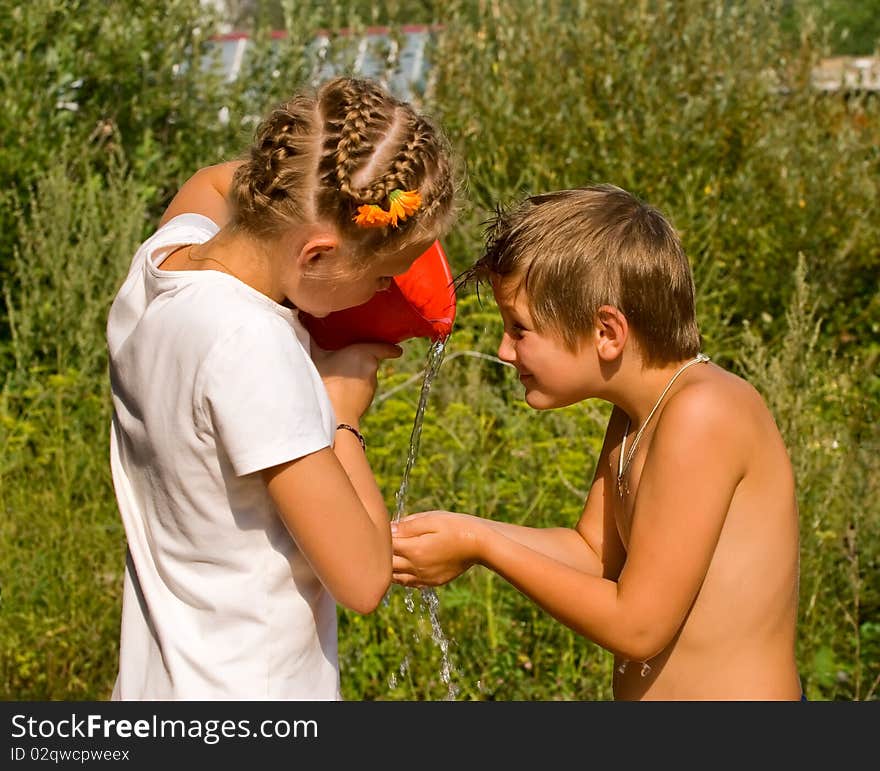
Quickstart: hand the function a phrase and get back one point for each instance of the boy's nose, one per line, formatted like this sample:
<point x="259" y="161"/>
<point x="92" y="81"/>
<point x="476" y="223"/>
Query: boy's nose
<point x="506" y="349"/>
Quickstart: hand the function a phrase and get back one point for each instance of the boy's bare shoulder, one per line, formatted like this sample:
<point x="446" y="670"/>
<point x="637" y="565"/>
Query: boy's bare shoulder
<point x="718" y="402"/>
<point x="711" y="384"/>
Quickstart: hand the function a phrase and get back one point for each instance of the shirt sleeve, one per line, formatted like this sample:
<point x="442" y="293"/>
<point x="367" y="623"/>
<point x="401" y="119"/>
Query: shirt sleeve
<point x="259" y="391"/>
<point x="182" y="229"/>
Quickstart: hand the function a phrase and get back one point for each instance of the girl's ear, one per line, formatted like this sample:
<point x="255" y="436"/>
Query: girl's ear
<point x="316" y="250"/>
<point x="612" y="332"/>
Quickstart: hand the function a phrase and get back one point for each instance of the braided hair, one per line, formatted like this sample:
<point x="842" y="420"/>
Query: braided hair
<point x="321" y="155"/>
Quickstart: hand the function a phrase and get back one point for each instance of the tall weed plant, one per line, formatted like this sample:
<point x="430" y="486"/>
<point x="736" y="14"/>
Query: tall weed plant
<point x="62" y="543"/>
<point x="702" y="108"/>
<point x="834" y="441"/>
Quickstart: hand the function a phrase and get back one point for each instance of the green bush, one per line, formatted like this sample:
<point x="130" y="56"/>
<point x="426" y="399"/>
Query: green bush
<point x="833" y="436"/>
<point x="63" y="544"/>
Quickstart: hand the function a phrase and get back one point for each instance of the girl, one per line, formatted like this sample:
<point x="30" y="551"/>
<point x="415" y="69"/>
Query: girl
<point x="249" y="506"/>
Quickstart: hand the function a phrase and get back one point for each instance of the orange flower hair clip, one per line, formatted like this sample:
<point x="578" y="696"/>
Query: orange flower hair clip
<point x="401" y="204"/>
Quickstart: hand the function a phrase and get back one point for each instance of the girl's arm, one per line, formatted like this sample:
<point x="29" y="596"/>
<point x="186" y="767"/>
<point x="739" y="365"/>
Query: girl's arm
<point x="204" y="193"/>
<point x="329" y="503"/>
<point x="329" y="500"/>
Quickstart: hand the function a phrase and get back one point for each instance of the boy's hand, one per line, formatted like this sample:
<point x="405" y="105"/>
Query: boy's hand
<point x="433" y="547"/>
<point x="204" y="193"/>
<point x="349" y="375"/>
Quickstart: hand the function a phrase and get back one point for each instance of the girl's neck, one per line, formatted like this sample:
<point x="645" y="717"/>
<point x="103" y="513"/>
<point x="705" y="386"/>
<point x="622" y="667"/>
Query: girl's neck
<point x="245" y="258"/>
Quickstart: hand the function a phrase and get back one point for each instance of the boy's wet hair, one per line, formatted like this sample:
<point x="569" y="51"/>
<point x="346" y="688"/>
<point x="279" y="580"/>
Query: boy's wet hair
<point x="573" y="251"/>
<point x="324" y="153"/>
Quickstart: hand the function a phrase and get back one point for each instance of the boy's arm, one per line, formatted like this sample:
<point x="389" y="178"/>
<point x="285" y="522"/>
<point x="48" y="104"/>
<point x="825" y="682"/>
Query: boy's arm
<point x="204" y="193"/>
<point x="696" y="461"/>
<point x="593" y="546"/>
<point x="598" y="525"/>
<point x="596" y="529"/>
<point x="446" y="559"/>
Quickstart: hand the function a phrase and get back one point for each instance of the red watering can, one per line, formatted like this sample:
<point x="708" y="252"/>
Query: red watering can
<point x="419" y="303"/>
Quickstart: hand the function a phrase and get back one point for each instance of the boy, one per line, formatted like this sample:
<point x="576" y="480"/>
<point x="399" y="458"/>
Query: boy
<point x="684" y="563"/>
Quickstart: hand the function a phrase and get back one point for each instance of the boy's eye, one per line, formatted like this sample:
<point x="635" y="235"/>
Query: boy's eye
<point x="517" y="330"/>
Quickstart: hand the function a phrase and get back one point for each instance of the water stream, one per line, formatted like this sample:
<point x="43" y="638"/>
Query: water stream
<point x="429" y="600"/>
<point x="435" y="359"/>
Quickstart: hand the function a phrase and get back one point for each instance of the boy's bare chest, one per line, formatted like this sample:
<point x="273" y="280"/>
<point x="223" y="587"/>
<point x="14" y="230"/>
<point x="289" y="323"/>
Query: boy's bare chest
<point x="625" y="489"/>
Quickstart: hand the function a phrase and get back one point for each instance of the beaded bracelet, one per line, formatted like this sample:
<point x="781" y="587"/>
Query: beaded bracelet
<point x="358" y="434"/>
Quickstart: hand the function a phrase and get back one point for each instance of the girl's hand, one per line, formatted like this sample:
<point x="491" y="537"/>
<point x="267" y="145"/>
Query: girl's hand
<point x="349" y="375"/>
<point x="433" y="547"/>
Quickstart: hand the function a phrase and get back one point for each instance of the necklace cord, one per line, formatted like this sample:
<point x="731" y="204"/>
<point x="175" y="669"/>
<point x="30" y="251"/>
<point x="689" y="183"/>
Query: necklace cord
<point x="623" y="466"/>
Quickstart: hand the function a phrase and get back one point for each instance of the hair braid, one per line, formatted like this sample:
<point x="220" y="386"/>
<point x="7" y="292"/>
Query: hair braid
<point x="266" y="188"/>
<point x="324" y="154"/>
<point x="421" y="157"/>
<point x="440" y="195"/>
<point x="356" y="118"/>
<point x="410" y="163"/>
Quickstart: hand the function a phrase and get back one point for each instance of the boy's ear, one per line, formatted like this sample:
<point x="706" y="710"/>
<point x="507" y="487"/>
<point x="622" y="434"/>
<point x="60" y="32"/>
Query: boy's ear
<point x="612" y="332"/>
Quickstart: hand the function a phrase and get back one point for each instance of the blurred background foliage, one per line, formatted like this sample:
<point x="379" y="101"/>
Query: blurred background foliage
<point x="705" y="108"/>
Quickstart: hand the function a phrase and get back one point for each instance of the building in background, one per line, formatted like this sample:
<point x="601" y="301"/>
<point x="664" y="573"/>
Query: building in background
<point x="848" y="73"/>
<point x="397" y="58"/>
<point x="400" y="59"/>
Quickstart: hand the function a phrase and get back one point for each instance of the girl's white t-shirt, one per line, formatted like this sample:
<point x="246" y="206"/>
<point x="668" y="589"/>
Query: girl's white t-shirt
<point x="211" y="382"/>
